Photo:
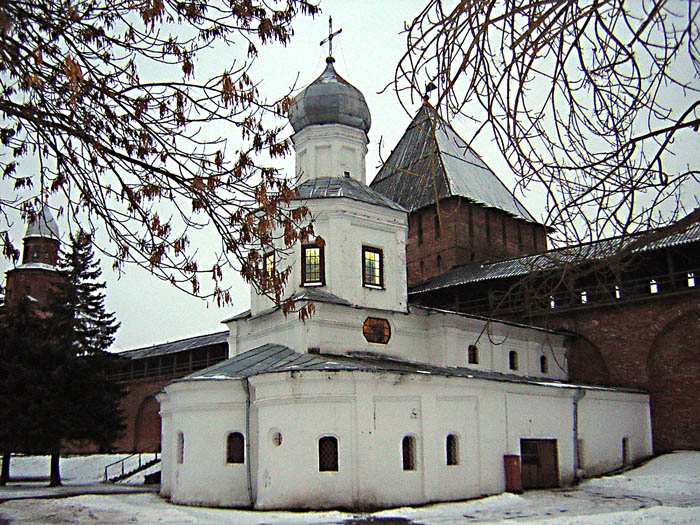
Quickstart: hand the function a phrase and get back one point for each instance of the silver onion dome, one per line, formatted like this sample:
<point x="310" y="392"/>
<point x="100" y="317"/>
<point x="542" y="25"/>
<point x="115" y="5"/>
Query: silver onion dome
<point x="330" y="99"/>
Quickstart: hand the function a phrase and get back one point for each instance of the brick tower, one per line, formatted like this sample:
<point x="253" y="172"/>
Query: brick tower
<point x="37" y="274"/>
<point x="460" y="211"/>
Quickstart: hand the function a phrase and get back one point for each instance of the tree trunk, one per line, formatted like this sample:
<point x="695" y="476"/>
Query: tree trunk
<point x="55" y="470"/>
<point x="5" y="474"/>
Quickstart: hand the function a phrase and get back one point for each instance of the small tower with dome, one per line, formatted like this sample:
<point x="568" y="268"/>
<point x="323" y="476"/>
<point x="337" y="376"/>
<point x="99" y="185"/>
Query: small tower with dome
<point x="359" y="255"/>
<point x="331" y="119"/>
<point x="35" y="277"/>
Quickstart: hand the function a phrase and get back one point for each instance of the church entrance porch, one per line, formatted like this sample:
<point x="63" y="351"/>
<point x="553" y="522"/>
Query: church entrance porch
<point x="540" y="466"/>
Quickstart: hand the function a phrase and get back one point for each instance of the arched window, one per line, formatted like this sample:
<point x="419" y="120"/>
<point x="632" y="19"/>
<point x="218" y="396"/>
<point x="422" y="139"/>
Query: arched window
<point x="235" y="448"/>
<point x="408" y="449"/>
<point x="513" y="360"/>
<point x="437" y="225"/>
<point x="473" y="355"/>
<point x="328" y="454"/>
<point x="452" y="449"/>
<point x="180" y="451"/>
<point x="544" y="366"/>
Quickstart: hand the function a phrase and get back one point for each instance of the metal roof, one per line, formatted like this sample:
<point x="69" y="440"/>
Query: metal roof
<point x="273" y="358"/>
<point x="432" y="162"/>
<point x="174" y="347"/>
<point x="43" y="225"/>
<point x="309" y="294"/>
<point x="685" y="231"/>
<point x="343" y="187"/>
<point x="330" y="99"/>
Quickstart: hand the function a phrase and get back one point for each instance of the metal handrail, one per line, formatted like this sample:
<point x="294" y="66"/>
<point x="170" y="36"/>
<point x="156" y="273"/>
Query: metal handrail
<point x="123" y="463"/>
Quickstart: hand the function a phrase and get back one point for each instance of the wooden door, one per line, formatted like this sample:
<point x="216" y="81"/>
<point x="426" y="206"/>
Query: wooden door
<point x="540" y="464"/>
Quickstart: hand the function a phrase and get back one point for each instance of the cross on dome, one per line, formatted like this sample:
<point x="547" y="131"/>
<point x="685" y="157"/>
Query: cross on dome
<point x="329" y="39"/>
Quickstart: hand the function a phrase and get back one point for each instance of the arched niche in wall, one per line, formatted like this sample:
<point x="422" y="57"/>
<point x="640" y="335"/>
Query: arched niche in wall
<point x="674" y="382"/>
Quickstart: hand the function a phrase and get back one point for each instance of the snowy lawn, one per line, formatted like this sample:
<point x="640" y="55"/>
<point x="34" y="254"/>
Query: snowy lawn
<point x="666" y="490"/>
<point x="74" y="469"/>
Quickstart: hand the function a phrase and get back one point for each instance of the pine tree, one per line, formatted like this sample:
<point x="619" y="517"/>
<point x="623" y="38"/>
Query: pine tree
<point x="25" y="382"/>
<point x="82" y="331"/>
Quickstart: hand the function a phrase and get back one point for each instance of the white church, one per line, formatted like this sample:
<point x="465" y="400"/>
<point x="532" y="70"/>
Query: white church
<point x="371" y="402"/>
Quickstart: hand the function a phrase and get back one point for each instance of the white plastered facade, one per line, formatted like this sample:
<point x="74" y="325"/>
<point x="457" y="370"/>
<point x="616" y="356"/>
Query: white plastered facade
<point x="283" y="415"/>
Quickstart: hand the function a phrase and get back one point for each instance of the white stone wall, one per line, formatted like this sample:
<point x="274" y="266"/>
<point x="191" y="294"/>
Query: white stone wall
<point x="604" y="420"/>
<point x="421" y="336"/>
<point x="346" y="225"/>
<point x="330" y="150"/>
<point x="369" y="414"/>
<point x="205" y="413"/>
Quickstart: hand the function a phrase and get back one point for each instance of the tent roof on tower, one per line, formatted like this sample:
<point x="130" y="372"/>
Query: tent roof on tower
<point x="432" y="162"/>
<point x="343" y="187"/>
<point x="43" y="225"/>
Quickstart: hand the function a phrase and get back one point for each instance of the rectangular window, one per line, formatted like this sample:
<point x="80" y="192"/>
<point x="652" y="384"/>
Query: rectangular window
<point x="372" y="267"/>
<point x="504" y="236"/>
<point x="487" y="217"/>
<point x="235" y="448"/>
<point x="269" y="269"/>
<point x="471" y="223"/>
<point x="408" y="452"/>
<point x="513" y="360"/>
<point x="473" y="355"/>
<point x="328" y="454"/>
<point x="312" y="265"/>
<point x="653" y="287"/>
<point x="180" y="452"/>
<point x="419" y="218"/>
<point x="452" y="450"/>
<point x="520" y="237"/>
<point x="437" y="225"/>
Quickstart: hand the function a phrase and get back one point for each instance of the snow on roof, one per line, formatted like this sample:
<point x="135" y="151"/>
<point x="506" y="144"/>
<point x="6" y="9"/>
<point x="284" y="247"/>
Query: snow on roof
<point x="37" y="266"/>
<point x="43" y="225"/>
<point x="274" y="358"/>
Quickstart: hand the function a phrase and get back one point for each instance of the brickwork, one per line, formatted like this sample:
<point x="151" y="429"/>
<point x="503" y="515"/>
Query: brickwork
<point x="458" y="232"/>
<point x="36" y="282"/>
<point x="141" y="415"/>
<point x="40" y="250"/>
<point x="653" y="345"/>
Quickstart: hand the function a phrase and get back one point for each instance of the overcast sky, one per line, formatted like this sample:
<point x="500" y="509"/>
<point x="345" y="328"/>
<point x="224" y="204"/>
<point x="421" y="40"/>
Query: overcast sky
<point x="366" y="53"/>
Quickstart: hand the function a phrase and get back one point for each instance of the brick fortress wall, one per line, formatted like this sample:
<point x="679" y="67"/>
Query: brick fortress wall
<point x="458" y="232"/>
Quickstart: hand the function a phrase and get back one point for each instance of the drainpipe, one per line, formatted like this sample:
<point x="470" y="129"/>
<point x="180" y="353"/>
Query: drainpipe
<point x="248" y="467"/>
<point x="578" y="396"/>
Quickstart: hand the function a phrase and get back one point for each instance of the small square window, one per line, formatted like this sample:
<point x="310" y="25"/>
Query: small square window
<point x="312" y="265"/>
<point x="372" y="267"/>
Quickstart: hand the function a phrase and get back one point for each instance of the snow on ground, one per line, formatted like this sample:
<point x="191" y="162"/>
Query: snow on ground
<point x="674" y="475"/>
<point x="74" y="469"/>
<point x="665" y="490"/>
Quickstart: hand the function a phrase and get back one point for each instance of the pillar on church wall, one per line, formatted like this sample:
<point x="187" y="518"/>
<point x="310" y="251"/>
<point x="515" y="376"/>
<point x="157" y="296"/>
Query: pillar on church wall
<point x="330" y="150"/>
